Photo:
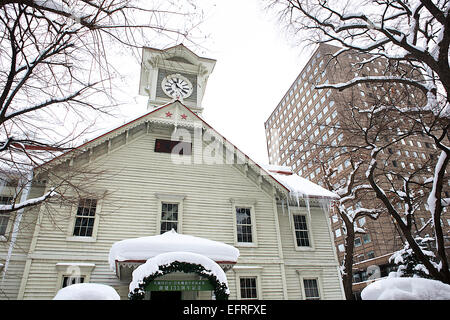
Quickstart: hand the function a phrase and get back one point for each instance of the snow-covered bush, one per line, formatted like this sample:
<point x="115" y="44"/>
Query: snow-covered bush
<point x="87" y="291"/>
<point x="407" y="263"/>
<point x="393" y="288"/>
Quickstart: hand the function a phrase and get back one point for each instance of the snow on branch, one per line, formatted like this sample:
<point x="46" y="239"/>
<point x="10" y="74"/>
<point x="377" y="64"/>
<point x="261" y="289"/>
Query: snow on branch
<point x="60" y="8"/>
<point x="445" y="202"/>
<point x="374" y="79"/>
<point x="439" y="169"/>
<point x="28" y="203"/>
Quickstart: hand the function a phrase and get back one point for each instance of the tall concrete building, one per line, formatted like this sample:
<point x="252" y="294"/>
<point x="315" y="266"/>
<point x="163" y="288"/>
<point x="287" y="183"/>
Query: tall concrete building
<point x="307" y="117"/>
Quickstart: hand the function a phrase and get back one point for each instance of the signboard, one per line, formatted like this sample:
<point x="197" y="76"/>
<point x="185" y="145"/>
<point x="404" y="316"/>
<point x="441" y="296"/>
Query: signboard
<point x="180" y="285"/>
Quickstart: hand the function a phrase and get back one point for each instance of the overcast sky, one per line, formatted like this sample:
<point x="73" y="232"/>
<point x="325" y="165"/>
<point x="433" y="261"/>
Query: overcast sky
<point x="255" y="66"/>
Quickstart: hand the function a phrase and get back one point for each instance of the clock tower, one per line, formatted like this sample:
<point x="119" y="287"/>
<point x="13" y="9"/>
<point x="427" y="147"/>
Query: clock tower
<point x="172" y="74"/>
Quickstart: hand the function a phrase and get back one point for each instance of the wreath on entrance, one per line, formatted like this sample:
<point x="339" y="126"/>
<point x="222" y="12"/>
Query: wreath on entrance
<point x="220" y="289"/>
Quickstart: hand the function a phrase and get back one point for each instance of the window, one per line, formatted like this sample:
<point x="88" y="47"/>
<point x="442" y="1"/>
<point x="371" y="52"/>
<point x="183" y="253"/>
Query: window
<point x="85" y="218"/>
<point x="244" y="225"/>
<point x="67" y="281"/>
<point x="4" y="217"/>
<point x="301" y="231"/>
<point x="370" y="255"/>
<point x="311" y="289"/>
<point x="177" y="147"/>
<point x="366" y="238"/>
<point x="357" y="242"/>
<point x="72" y="273"/>
<point x="362" y="221"/>
<point x="169" y="217"/>
<point x="248" y="288"/>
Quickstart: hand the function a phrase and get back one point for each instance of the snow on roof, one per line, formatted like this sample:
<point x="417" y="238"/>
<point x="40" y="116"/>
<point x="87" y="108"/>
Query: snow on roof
<point x="145" y="248"/>
<point x="152" y="266"/>
<point x="392" y="288"/>
<point x="276" y="168"/>
<point x="297" y="185"/>
<point x="87" y="291"/>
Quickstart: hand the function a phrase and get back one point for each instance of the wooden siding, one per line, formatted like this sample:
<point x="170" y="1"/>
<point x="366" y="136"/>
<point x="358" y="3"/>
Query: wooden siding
<point x="135" y="175"/>
<point x="11" y="280"/>
<point x="319" y="261"/>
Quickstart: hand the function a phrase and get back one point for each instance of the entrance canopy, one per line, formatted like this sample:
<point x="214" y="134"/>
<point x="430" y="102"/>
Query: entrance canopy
<point x="169" y="262"/>
<point x="126" y="255"/>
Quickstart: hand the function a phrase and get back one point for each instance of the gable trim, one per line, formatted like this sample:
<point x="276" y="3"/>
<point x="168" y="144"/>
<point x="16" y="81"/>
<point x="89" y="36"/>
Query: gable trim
<point x="137" y="120"/>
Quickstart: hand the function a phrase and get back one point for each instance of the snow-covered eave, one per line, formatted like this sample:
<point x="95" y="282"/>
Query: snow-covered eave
<point x="131" y="253"/>
<point x="315" y="197"/>
<point x="321" y="193"/>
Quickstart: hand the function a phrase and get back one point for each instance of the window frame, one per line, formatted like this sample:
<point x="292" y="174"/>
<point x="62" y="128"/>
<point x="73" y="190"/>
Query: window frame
<point x="302" y="211"/>
<point x="248" y="272"/>
<point x="92" y="238"/>
<point x="78" y="279"/>
<point x="250" y="204"/>
<point x="308" y="274"/>
<point x="168" y="146"/>
<point x="169" y="198"/>
<point x="9" y="225"/>
<point x="86" y="204"/>
<point x="72" y="269"/>
<point x="317" y="285"/>
<point x="160" y="213"/>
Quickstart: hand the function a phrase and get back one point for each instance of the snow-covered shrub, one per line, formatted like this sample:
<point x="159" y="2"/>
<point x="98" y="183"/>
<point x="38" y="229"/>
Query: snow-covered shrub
<point x="87" y="291"/>
<point x="407" y="263"/>
<point x="393" y="288"/>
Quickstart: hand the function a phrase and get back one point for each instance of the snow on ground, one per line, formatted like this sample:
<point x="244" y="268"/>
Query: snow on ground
<point x="87" y="291"/>
<point x="152" y="266"/>
<point x="145" y="248"/>
<point x="393" y="288"/>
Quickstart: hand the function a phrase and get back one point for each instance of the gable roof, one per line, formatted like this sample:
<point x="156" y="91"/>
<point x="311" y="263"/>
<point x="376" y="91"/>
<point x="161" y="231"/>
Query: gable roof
<point x="273" y="177"/>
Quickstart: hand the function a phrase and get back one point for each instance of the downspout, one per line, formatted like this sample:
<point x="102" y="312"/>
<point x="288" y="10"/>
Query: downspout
<point x="23" y="198"/>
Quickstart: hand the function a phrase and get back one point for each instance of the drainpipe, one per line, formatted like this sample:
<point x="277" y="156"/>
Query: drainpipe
<point x="23" y="198"/>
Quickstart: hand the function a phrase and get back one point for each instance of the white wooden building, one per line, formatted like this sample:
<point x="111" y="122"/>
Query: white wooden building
<point x="168" y="174"/>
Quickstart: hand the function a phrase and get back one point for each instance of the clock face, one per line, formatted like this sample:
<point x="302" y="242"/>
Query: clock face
<point x="177" y="86"/>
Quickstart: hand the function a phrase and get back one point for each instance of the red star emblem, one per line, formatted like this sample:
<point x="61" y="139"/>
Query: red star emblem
<point x="168" y="114"/>
<point x="183" y="116"/>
